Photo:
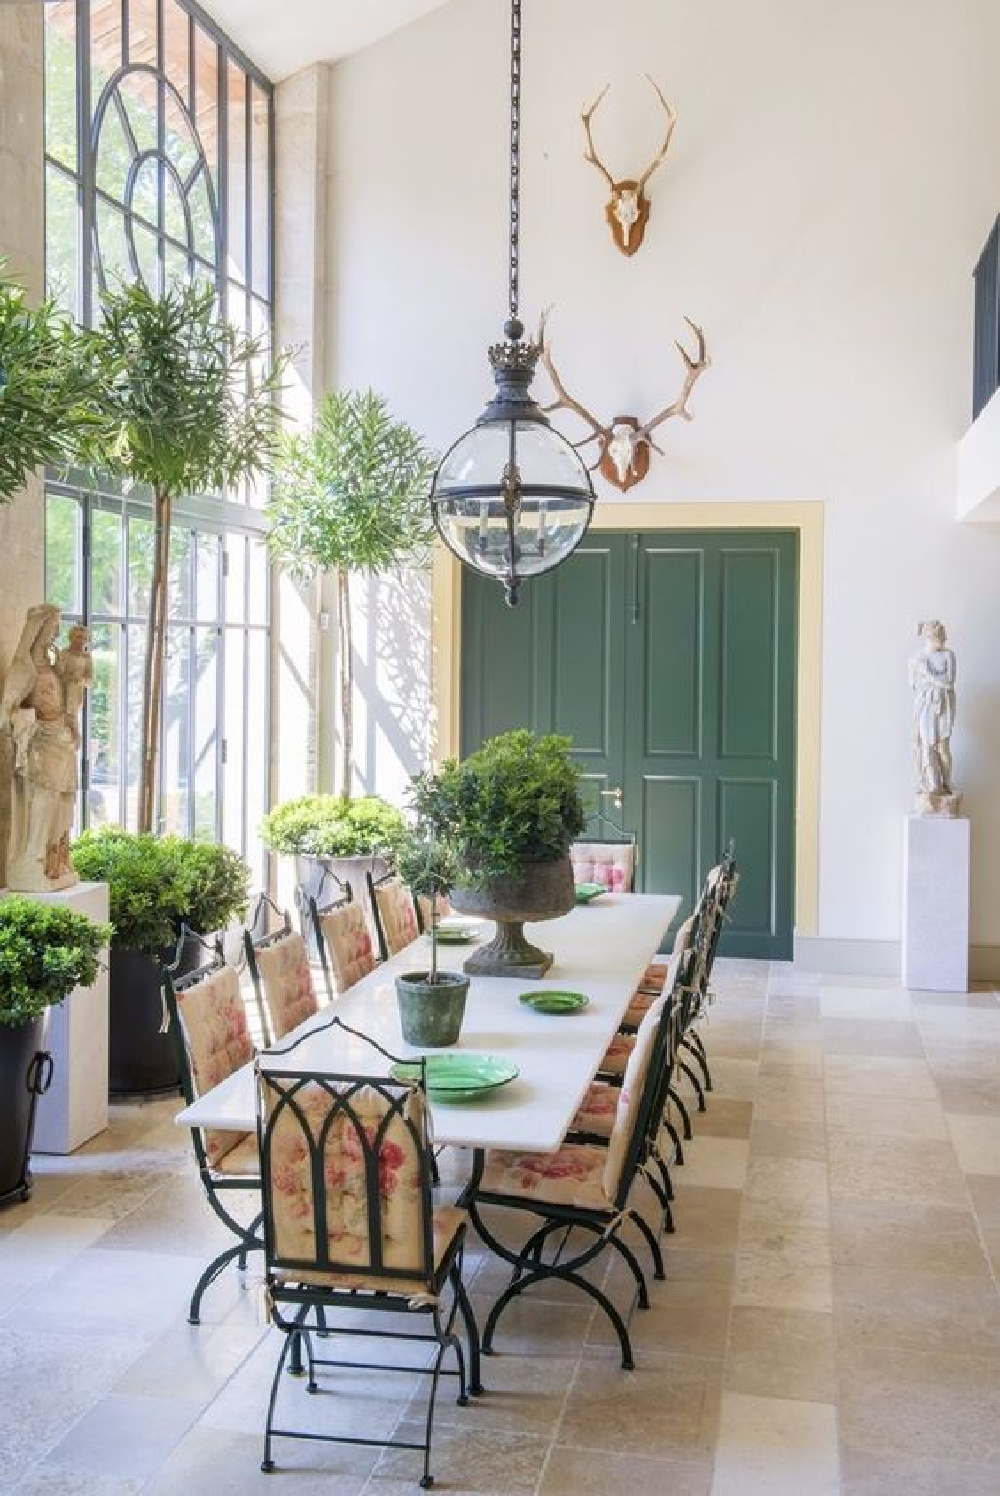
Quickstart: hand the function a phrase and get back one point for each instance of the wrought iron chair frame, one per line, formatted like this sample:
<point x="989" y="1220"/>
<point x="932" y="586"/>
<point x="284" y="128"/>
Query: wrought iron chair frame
<point x="299" y="1299"/>
<point x="376" y="883"/>
<point x="315" y="911"/>
<point x="215" y="1184"/>
<point x="620" y="838"/>
<point x="251" y="945"/>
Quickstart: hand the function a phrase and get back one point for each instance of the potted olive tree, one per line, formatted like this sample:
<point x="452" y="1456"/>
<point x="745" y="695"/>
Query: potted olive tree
<point x="157" y="886"/>
<point x="432" y="1002"/>
<point x="45" y="951"/>
<point x="350" y="496"/>
<point x="511" y="809"/>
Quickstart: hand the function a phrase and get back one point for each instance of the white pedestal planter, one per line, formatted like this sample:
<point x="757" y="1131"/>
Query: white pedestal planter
<point x="936" y="903"/>
<point x="75" y="1107"/>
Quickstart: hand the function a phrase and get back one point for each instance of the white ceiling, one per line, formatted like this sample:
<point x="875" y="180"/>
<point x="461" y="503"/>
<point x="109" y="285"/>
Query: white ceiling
<point x="281" y="36"/>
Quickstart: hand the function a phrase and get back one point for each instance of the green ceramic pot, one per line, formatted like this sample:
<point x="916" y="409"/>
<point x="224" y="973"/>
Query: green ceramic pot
<point x="431" y="1015"/>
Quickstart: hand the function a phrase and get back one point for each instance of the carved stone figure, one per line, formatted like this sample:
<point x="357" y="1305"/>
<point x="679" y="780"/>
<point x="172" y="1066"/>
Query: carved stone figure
<point x="40" y="707"/>
<point x="932" y="681"/>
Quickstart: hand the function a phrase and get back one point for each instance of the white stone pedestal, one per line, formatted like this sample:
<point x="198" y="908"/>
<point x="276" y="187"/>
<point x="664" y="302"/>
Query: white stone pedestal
<point x="75" y="1107"/>
<point x="936" y="903"/>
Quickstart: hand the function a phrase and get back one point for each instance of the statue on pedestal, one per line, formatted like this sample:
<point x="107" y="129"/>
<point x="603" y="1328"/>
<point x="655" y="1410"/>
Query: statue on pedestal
<point x="40" y="707"/>
<point x="932" y="681"/>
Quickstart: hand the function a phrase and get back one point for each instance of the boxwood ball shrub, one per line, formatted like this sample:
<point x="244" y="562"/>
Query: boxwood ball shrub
<point x="45" y="951"/>
<point x="217" y="883"/>
<point x="515" y="800"/>
<point x="330" y="826"/>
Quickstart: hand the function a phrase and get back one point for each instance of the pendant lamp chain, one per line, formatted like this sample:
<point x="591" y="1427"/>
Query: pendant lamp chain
<point x="515" y="167"/>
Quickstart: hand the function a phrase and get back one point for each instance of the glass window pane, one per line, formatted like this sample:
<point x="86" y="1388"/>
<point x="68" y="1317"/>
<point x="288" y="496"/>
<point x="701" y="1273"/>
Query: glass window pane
<point x="115" y="152"/>
<point x="261" y="190"/>
<point x="60" y="82"/>
<point x="233" y="730"/>
<point x="207" y="578"/>
<point x="258" y="755"/>
<point x="104" y="725"/>
<point x="63" y="541"/>
<point x="111" y="247"/>
<point x="203" y="211"/>
<point x="177" y="266"/>
<point x="179" y="597"/>
<point x="142" y="32"/>
<point x="176" y="44"/>
<point x="136" y="644"/>
<point x="259" y="582"/>
<point x="175" y="769"/>
<point x="206" y="733"/>
<point x="105" y="561"/>
<point x="141" y="539"/>
<point x="206" y="103"/>
<point x="62" y="230"/>
<point x="236" y="95"/>
<point x="236" y="576"/>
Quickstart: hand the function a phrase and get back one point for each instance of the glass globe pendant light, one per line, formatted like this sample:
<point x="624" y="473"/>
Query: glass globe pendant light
<point x="512" y="498"/>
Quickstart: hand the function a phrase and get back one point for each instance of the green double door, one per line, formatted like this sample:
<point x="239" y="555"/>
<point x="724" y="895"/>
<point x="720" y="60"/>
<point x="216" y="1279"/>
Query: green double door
<point x="669" y="659"/>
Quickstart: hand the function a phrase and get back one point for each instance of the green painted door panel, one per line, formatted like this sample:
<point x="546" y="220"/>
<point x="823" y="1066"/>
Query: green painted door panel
<point x="669" y="658"/>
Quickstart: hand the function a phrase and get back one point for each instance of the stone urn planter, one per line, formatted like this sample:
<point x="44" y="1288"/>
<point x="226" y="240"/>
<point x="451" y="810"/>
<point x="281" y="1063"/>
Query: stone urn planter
<point x="431" y="1013"/>
<point x="312" y="883"/>
<point x="541" y="890"/>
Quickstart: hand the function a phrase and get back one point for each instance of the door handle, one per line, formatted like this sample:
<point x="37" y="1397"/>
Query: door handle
<point x="615" y="794"/>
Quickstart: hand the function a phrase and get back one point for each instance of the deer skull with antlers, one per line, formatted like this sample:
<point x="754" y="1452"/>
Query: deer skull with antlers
<point x="627" y="211"/>
<point x="625" y="442"/>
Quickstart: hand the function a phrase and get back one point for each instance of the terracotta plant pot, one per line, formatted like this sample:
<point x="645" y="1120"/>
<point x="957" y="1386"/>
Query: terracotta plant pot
<point x="541" y="890"/>
<point x="430" y="1014"/>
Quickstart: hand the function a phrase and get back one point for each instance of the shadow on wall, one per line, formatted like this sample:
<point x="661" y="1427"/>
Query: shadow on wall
<point x="393" y="702"/>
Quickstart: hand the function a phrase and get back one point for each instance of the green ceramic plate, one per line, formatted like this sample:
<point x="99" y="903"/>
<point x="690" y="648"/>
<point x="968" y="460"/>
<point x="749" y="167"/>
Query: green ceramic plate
<point x="456" y="937"/>
<point x="550" y="1001"/>
<point x="453" y="924"/>
<point x="459" y="1076"/>
<point x="587" y="891"/>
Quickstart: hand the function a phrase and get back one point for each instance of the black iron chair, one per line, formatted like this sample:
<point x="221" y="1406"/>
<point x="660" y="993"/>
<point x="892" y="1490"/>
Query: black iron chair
<point x="278" y="962"/>
<point x="394" y="911"/>
<point x="200" y="1006"/>
<point x="609" y="856"/>
<point x="349" y="1224"/>
<point x="341" y="930"/>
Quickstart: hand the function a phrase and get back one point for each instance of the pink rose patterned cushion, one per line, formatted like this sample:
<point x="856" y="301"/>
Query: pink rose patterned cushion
<point x="348" y="945"/>
<point x="424" y="904"/>
<point x="598" y="1112"/>
<point x="288" y="985"/>
<point x="400" y="1205"/>
<point x="398" y="916"/>
<point x="217" y="1040"/>
<point x="616" y="1056"/>
<point x="573" y="1176"/>
<point x="612" y="864"/>
<point x="630" y="1097"/>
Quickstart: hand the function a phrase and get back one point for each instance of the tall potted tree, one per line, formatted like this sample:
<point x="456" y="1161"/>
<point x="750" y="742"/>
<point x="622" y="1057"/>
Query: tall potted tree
<point x="350" y="495"/>
<point x="46" y="387"/>
<point x="432" y="1002"/>
<point x="187" y="406"/>
<point x="45" y="951"/>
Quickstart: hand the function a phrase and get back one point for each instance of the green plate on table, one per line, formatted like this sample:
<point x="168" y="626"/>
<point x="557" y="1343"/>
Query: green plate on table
<point x="459" y="1076"/>
<point x="455" y="936"/>
<point x="548" y="1000"/>
<point x="587" y="891"/>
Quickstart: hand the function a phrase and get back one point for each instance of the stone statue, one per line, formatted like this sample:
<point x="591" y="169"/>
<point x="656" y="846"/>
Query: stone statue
<point x="932" y="680"/>
<point x="40" y="707"/>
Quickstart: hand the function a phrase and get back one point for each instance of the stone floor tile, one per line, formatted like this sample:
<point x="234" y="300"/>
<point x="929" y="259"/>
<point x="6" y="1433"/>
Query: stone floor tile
<point x="865" y="1474"/>
<point x="949" y="1427"/>
<point x="225" y="1462"/>
<point x="36" y="1251"/>
<point x="126" y="1436"/>
<point x="866" y="1005"/>
<point x="918" y="1312"/>
<point x="706" y="1219"/>
<point x="670" y="1410"/>
<point x="907" y="1237"/>
<point x="889" y="1039"/>
<point x="781" y="1353"/>
<point x="589" y="1472"/>
<point x="736" y="1079"/>
<point x="886" y="1116"/>
<point x="776" y="1447"/>
<point x="885" y="1168"/>
<point x="524" y="1395"/>
<point x="53" y="1480"/>
<point x="781" y="1140"/>
<point x="876" y="1075"/>
<point x="796" y="1190"/>
<point x="977" y="1143"/>
<point x="465" y="1461"/>
<point x="716" y="1163"/>
<point x="984" y="1190"/>
<point x="725" y="1118"/>
<point x="968" y="1093"/>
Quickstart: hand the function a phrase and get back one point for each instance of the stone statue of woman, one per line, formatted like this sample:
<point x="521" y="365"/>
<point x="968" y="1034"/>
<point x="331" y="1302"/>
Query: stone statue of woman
<point x="932" y="680"/>
<point x="41" y="697"/>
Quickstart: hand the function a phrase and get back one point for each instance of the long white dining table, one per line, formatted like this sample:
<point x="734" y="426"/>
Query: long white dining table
<point x="601" y="949"/>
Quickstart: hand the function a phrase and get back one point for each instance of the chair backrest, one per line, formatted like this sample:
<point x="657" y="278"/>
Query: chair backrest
<point x="209" y="1021"/>
<point x="610" y="863"/>
<point x="424" y="909"/>
<point x="345" y="944"/>
<point x="346" y="1178"/>
<point x="282" y="980"/>
<point x="394" y="914"/>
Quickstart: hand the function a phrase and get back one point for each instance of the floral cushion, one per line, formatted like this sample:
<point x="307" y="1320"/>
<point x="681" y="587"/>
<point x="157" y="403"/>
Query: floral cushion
<point x="612" y="864"/>
<point x="447" y="1222"/>
<point x="348" y="945"/>
<point x="243" y="1157"/>
<point x="646" y="995"/>
<point x="217" y="1040"/>
<point x="630" y="1095"/>
<point x="573" y="1176"/>
<point x="288" y="985"/>
<point x="598" y="1112"/>
<point x="399" y="918"/>
<point x="616" y="1056"/>
<point x="294" y="1137"/>
<point x="424" y="905"/>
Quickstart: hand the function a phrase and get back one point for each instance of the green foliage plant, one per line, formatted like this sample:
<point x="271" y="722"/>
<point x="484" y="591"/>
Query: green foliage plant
<point x="430" y="866"/>
<point x="188" y="406"/>
<point x="350" y="495"/>
<point x="515" y="800"/>
<point x="216" y="881"/>
<point x="148" y="890"/>
<point x="46" y="388"/>
<point x="45" y="951"/>
<point x="331" y="826"/>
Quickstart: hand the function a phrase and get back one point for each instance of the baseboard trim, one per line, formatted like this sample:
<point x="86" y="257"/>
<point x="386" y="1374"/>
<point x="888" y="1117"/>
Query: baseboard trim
<point x="879" y="958"/>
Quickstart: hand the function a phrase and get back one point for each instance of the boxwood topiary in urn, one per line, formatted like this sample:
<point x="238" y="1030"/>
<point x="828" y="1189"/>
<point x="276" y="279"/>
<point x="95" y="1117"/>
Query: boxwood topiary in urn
<point x="45" y="951"/>
<point x="431" y="1003"/>
<point x="511" y="810"/>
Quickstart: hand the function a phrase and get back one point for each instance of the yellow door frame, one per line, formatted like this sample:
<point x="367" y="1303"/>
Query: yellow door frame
<point x="806" y="517"/>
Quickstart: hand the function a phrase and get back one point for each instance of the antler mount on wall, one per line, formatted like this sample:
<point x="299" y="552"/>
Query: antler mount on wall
<point x="627" y="210"/>
<point x="625" y="442"/>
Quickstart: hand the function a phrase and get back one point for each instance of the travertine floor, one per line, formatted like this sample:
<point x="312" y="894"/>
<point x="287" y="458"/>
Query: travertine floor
<point x="830" y="1322"/>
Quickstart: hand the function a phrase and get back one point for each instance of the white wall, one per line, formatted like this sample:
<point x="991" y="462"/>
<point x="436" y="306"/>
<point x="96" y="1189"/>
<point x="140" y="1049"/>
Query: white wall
<point x="832" y="179"/>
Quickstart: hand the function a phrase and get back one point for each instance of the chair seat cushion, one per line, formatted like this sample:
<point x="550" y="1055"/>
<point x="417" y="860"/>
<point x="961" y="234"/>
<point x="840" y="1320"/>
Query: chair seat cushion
<point x="448" y="1221"/>
<point x="241" y="1157"/>
<point x="598" y="1112"/>
<point x="288" y="985"/>
<point x="573" y="1176"/>
<point x="639" y="1007"/>
<point x="617" y="1054"/>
